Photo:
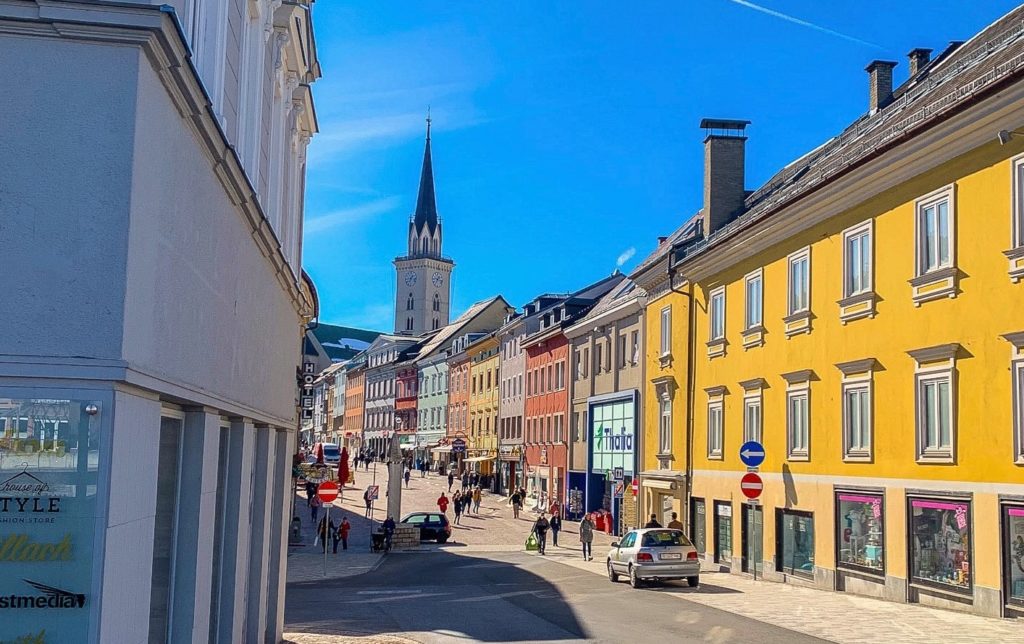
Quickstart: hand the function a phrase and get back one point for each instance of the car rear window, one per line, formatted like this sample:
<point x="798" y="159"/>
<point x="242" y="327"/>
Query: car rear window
<point x="332" y="450"/>
<point x="436" y="518"/>
<point x="416" y="518"/>
<point x="660" y="538"/>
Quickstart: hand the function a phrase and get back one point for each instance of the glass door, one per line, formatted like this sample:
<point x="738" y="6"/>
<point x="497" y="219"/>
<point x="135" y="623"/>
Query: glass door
<point x="753" y="538"/>
<point x="698" y="525"/>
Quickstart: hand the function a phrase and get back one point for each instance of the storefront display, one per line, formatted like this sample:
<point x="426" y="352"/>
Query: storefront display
<point x="940" y="543"/>
<point x="49" y="481"/>
<point x="1013" y="538"/>
<point x="861" y="534"/>
<point x="794" y="532"/>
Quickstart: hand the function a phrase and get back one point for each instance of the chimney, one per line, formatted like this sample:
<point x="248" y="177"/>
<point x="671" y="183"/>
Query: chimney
<point x="918" y="59"/>
<point x="661" y="240"/>
<point x="880" y="81"/>
<point x="723" y="170"/>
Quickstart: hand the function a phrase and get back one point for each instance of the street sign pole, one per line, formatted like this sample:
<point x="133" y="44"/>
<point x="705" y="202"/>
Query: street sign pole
<point x="327" y="528"/>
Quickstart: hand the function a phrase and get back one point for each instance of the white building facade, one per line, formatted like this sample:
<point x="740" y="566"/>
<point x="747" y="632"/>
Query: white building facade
<point x="151" y="226"/>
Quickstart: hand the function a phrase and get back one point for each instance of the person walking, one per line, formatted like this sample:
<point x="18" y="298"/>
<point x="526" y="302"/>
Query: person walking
<point x="457" y="506"/>
<point x="442" y="503"/>
<point x="540" y="528"/>
<point x="517" y="504"/>
<point x="653" y="523"/>
<point x="343" y="531"/>
<point x="587" y="537"/>
<point x="465" y="479"/>
<point x="324" y="532"/>
<point x="556" y="525"/>
<point x="389" y="532"/>
<point x="675" y="523"/>
<point x="368" y="501"/>
<point x="477" y="497"/>
<point x="314" y="507"/>
<point x="451" y="480"/>
<point x="407" y="478"/>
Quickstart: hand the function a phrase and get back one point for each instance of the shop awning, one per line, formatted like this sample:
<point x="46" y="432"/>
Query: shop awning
<point x="477" y="459"/>
<point x="441" y="448"/>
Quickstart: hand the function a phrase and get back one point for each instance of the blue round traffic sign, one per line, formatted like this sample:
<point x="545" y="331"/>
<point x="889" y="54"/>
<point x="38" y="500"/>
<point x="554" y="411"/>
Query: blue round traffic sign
<point x="752" y="453"/>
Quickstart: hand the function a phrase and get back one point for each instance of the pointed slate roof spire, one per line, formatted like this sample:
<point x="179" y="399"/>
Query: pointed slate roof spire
<point x="426" y="207"/>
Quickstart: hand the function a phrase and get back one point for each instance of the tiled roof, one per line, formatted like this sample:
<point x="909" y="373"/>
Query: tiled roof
<point x="688" y="229"/>
<point x="449" y="331"/>
<point x="942" y="87"/>
<point x="343" y="342"/>
<point x="627" y="291"/>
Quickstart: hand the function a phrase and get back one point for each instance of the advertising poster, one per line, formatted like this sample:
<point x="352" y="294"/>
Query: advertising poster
<point x="49" y="459"/>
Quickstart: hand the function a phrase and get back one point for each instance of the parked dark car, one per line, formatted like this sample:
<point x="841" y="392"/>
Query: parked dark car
<point x="434" y="526"/>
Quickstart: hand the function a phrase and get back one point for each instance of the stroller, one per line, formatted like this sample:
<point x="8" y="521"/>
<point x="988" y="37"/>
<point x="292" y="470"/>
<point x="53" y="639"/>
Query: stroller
<point x="380" y="541"/>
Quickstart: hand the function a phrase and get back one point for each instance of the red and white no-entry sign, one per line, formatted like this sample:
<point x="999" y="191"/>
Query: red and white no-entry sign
<point x="327" y="491"/>
<point x="751" y="485"/>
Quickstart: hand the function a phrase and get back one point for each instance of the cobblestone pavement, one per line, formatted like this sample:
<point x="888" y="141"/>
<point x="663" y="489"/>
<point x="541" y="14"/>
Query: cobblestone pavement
<point x="839" y="617"/>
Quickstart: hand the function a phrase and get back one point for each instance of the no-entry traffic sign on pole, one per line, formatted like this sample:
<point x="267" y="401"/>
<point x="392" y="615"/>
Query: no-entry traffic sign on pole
<point x="327" y="491"/>
<point x="751" y="485"/>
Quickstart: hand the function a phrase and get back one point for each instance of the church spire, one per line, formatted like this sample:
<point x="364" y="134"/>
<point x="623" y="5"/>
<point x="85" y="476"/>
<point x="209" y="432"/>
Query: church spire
<point x="426" y="207"/>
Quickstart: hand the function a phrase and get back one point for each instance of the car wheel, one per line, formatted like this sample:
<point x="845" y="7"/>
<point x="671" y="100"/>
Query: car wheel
<point x="612" y="575"/>
<point x="442" y="538"/>
<point x="634" y="581"/>
<point x="693" y="581"/>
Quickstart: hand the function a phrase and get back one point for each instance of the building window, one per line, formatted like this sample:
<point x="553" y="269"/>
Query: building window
<point x="935" y="416"/>
<point x="934" y="234"/>
<point x="857" y="260"/>
<point x="666" y="331"/>
<point x="797" y="424"/>
<point x="752" y="418"/>
<point x="577" y="357"/>
<point x="940" y="538"/>
<point x="409" y="303"/>
<point x="622" y="358"/>
<point x="860" y="531"/>
<point x="716" y="429"/>
<point x="754" y="302"/>
<point x="437" y="302"/>
<point x="857" y="421"/>
<point x="717" y="314"/>
<point x="1013" y="553"/>
<point x="586" y="361"/>
<point x="794" y="542"/>
<point x="634" y="344"/>
<point x="799" y="299"/>
<point x="598" y="357"/>
<point x="665" y="426"/>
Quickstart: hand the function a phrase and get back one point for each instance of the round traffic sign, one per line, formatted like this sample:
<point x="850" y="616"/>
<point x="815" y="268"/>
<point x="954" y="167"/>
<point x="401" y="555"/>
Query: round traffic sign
<point x="752" y="453"/>
<point x="327" y="491"/>
<point x="751" y="485"/>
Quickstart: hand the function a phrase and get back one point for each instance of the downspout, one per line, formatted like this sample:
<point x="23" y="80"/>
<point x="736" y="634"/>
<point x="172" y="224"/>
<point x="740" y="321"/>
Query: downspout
<point x="690" y="364"/>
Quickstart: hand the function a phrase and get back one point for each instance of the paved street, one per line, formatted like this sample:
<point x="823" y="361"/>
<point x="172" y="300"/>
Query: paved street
<point x="483" y="586"/>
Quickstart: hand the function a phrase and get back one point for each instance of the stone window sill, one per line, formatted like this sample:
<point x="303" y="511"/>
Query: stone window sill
<point x="934" y="285"/>
<point x="797" y="323"/>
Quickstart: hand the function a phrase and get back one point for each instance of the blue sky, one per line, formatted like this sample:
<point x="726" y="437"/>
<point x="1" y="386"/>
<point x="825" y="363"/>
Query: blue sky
<point x="565" y="134"/>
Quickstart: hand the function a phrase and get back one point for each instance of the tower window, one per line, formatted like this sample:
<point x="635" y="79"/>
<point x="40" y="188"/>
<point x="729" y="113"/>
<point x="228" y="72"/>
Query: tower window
<point x="437" y="302"/>
<point x="408" y="324"/>
<point x="409" y="303"/>
<point x="436" y="324"/>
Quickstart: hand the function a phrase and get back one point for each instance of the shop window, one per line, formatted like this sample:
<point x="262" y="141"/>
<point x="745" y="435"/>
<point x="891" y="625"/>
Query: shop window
<point x="860" y="532"/>
<point x="723" y="533"/>
<point x="698" y="525"/>
<point x="1013" y="556"/>
<point x="940" y="548"/>
<point x="794" y="542"/>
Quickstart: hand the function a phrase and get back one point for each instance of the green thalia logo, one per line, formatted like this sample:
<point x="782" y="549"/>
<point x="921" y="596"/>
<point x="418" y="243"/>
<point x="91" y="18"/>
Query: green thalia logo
<point x="49" y="597"/>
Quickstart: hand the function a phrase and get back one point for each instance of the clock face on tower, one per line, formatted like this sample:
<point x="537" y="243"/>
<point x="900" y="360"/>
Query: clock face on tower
<point x="437" y="279"/>
<point x="410" y="278"/>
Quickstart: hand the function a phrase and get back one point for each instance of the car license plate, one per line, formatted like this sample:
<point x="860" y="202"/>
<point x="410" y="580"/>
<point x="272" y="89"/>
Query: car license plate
<point x="671" y="555"/>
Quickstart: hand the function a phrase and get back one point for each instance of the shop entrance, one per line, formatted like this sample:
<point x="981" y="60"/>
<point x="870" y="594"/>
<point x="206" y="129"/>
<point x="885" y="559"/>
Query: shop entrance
<point x="1013" y="556"/>
<point x="723" y="533"/>
<point x="753" y="538"/>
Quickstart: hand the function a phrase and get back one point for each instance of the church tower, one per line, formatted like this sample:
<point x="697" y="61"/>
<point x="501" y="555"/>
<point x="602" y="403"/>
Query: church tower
<point x="423" y="275"/>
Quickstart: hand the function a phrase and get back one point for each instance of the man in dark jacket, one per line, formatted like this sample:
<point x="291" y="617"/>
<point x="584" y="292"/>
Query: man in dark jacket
<point x="653" y="523"/>
<point x="540" y="528"/>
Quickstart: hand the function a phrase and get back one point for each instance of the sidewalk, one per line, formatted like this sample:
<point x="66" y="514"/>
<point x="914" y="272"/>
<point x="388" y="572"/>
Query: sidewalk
<point x="306" y="561"/>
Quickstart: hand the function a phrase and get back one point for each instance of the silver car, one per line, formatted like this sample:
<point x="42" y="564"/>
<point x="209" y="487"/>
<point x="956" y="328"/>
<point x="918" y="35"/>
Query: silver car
<point x="654" y="554"/>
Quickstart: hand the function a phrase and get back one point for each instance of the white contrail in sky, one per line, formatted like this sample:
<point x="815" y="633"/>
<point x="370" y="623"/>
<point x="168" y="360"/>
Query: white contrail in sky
<point x="803" y="23"/>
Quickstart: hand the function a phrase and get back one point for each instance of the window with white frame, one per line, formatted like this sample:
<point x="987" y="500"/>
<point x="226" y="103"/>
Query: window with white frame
<point x="754" y="301"/>
<point x="857" y="420"/>
<point x="666" y="331"/>
<point x="635" y="347"/>
<point x="857" y="260"/>
<point x="1018" y="410"/>
<point x="935" y="422"/>
<point x="1018" y="203"/>
<point x="800" y="281"/>
<point x="716" y="314"/>
<point x="934" y="232"/>
<point x="716" y="428"/>
<point x="598" y="357"/>
<point x="752" y="417"/>
<point x="798" y="433"/>
<point x="665" y="426"/>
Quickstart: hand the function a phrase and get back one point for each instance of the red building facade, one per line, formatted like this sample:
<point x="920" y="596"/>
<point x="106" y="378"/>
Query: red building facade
<point x="545" y="416"/>
<point x="406" y="391"/>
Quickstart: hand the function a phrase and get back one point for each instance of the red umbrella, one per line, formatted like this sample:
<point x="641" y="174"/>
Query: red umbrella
<point x="343" y="467"/>
<point x="319" y="453"/>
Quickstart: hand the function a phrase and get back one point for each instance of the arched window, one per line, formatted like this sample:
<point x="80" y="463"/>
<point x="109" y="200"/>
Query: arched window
<point x="437" y="302"/>
<point x="425" y="246"/>
<point x="436" y="325"/>
<point x="409" y="303"/>
<point x="408" y="324"/>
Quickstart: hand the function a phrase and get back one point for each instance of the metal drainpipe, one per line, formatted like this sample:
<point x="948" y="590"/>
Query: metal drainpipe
<point x="690" y="364"/>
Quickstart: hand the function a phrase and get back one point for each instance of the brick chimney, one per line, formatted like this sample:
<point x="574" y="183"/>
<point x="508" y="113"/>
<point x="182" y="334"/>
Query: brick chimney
<point x="918" y="59"/>
<point x="880" y="83"/>
<point x="723" y="170"/>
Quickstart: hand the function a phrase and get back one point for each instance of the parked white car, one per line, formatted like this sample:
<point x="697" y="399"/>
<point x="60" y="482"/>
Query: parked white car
<point x="654" y="554"/>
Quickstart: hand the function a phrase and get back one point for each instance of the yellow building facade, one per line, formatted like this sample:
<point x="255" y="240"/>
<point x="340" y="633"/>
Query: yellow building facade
<point x="483" y="404"/>
<point x="863" y="320"/>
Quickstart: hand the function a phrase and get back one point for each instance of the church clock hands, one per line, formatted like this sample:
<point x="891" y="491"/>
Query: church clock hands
<point x="410" y="278"/>
<point x="437" y="279"/>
